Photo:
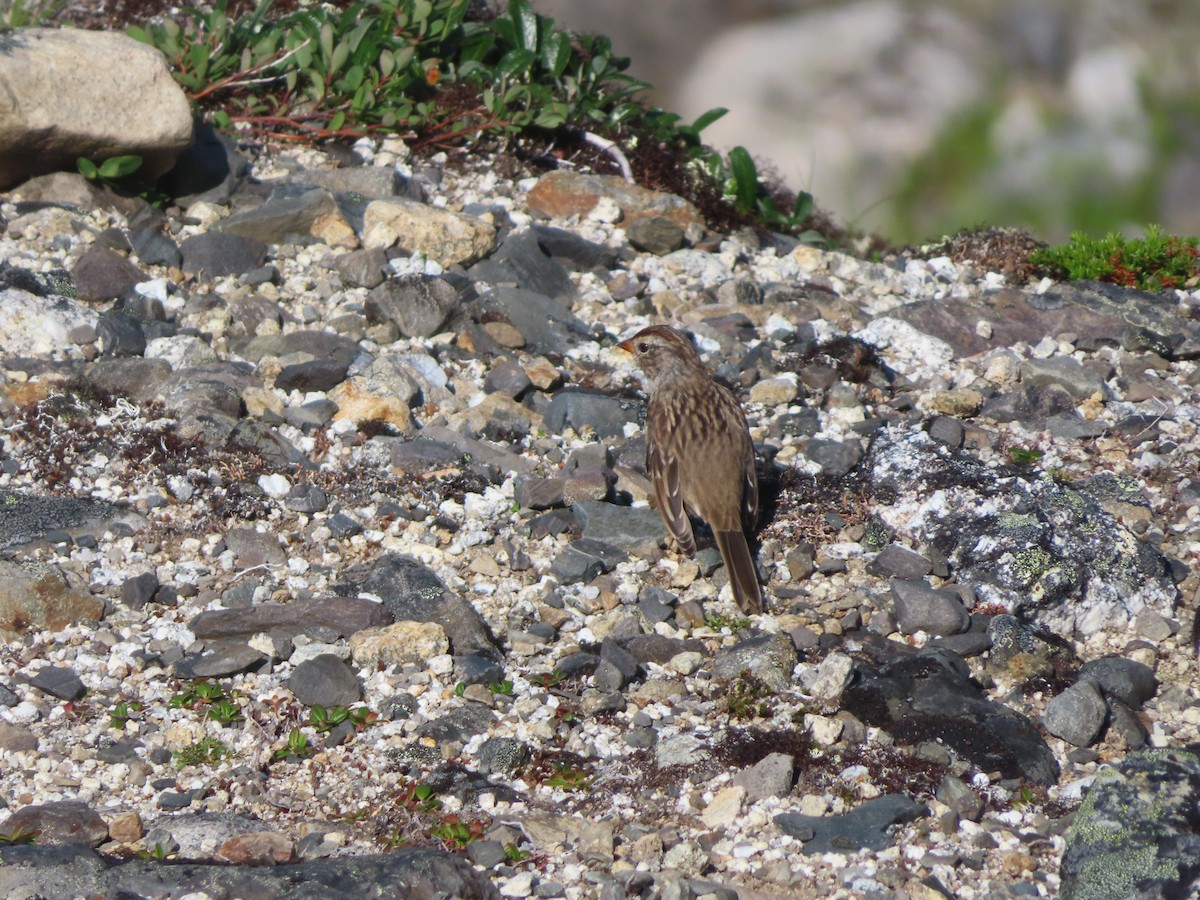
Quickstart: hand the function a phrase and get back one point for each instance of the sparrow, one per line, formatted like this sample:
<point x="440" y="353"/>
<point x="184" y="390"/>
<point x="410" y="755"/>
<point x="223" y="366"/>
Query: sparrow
<point x="699" y="455"/>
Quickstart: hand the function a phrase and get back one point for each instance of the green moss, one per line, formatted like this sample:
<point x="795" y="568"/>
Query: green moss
<point x="1153" y="263"/>
<point x="1031" y="563"/>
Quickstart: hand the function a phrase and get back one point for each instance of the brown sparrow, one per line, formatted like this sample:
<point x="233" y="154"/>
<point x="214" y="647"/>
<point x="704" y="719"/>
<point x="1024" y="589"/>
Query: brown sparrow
<point x="698" y="454"/>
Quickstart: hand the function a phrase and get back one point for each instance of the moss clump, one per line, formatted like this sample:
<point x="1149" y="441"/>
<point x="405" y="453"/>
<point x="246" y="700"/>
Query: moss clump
<point x="1155" y="262"/>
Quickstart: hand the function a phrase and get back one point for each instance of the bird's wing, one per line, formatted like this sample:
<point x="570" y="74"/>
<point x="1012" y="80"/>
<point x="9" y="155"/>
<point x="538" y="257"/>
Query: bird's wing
<point x="750" y="492"/>
<point x="668" y="491"/>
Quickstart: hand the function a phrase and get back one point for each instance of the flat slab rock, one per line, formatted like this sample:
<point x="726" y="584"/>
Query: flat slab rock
<point x="72" y="870"/>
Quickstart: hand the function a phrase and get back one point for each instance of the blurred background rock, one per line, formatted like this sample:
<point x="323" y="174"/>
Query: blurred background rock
<point x="918" y="117"/>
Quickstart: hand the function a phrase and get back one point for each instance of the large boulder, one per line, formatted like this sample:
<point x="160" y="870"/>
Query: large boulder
<point x="63" y="95"/>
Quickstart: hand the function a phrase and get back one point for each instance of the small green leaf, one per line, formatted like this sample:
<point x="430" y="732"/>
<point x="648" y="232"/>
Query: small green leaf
<point x="803" y="207"/>
<point x="340" y="54"/>
<point x="338" y="120"/>
<point x="87" y="168"/>
<point x="745" y="178"/>
<point x="705" y="119"/>
<point x="525" y="23"/>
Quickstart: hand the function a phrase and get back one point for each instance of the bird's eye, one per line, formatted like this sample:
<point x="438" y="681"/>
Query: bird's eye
<point x="642" y="347"/>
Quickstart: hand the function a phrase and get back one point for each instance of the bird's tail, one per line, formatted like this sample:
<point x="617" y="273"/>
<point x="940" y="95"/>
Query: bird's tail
<point x="740" y="565"/>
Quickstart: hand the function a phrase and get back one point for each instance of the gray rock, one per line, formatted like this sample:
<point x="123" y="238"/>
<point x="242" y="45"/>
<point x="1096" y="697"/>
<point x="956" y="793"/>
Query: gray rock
<point x="487" y="854"/>
<point x="863" y="828"/>
<point x="1126" y="679"/>
<point x="287" y="216"/>
<point x="544" y="323"/>
<point x="154" y="248"/>
<point x="362" y="268"/>
<point x="459" y="724"/>
<point x="623" y="663"/>
<point x="947" y="430"/>
<point x="1029" y="403"/>
<point x="60" y="682"/>
<point x="1050" y="553"/>
<point x="411" y="591"/>
<point x="213" y="254"/>
<point x="655" y="234"/>
<point x="606" y="416"/>
<point x="59" y="822"/>
<point x="313" y="375"/>
<point x="1064" y="372"/>
<point x="60" y="92"/>
<point x="139" y="590"/>
<point x="894" y="561"/>
<point x="585" y="559"/>
<point x="620" y="526"/>
<point x="836" y="458"/>
<point x="502" y="756"/>
<point x="769" y="658"/>
<point x="1125" y="725"/>
<point x="922" y="608"/>
<point x="418" y="306"/>
<point x="120" y="334"/>
<point x="137" y="378"/>
<point x="573" y="251"/>
<point x="521" y="262"/>
<point x="769" y="777"/>
<point x="1132" y="836"/>
<point x="102" y="274"/>
<point x="324" y="681"/>
<point x="507" y="377"/>
<point x="534" y="492"/>
<point x="930" y="696"/>
<point x="74" y="870"/>
<point x="1077" y="714"/>
<point x="222" y="659"/>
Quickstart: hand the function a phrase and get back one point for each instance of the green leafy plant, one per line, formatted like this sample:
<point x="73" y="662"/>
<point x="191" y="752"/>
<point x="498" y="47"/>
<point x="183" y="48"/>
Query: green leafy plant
<point x="1153" y="263"/>
<point x="515" y="854"/>
<point x="324" y="719"/>
<point x="502" y="688"/>
<point x="225" y="712"/>
<point x="548" y="679"/>
<point x="27" y="13"/>
<point x="718" y="622"/>
<point x="568" y="777"/>
<point x="460" y="689"/>
<point x="110" y="170"/>
<point x="196" y="695"/>
<point x="206" y="751"/>
<point x="20" y="835"/>
<point x="455" y="833"/>
<point x="121" y="714"/>
<point x="297" y="746"/>
<point x="748" y="697"/>
<point x="1024" y="456"/>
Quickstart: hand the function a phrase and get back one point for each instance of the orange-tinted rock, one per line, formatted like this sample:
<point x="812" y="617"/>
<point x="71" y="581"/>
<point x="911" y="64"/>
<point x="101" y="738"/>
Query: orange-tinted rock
<point x="565" y="193"/>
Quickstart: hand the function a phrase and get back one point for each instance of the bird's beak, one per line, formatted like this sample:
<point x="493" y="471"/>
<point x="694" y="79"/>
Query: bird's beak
<point x="627" y="346"/>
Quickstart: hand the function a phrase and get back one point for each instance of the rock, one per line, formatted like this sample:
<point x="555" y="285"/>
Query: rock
<point x="16" y="738"/>
<point x="324" y="681"/>
<point x="894" y="561"/>
<point x="619" y="526"/>
<point x="655" y="234"/>
<point x="1131" y="833"/>
<point x="139" y="590"/>
<point x="60" y="822"/>
<point x="502" y="756"/>
<point x="412" y="592"/>
<point x="546" y="325"/>
<point x="362" y="268"/>
<point x="101" y="274"/>
<point x="1129" y="680"/>
<point x="522" y="262"/>
<point x="863" y="828"/>
<point x="929" y="696"/>
<point x="59" y="90"/>
<point x="219" y="660"/>
<point x="419" y="306"/>
<point x="921" y="608"/>
<point x="396" y="644"/>
<point x="213" y="254"/>
<point x="314" y="375"/>
<point x="769" y="658"/>
<point x="1076" y="715"/>
<point x="289" y="215"/>
<point x="342" y="615"/>
<point x="257" y="848"/>
<point x="448" y="238"/>
<point x="73" y="870"/>
<point x="37" y="596"/>
<point x="605" y="416"/>
<point x="836" y="458"/>
<point x="1040" y="548"/>
<point x="32" y="325"/>
<point x="562" y="193"/>
<point x="769" y="777"/>
<point x="832" y="676"/>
